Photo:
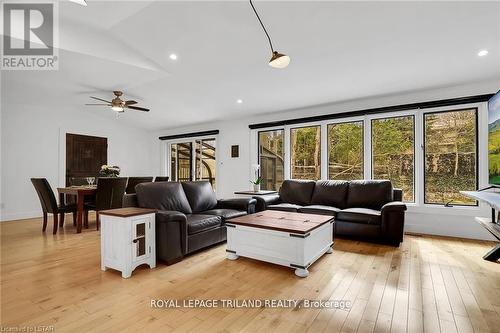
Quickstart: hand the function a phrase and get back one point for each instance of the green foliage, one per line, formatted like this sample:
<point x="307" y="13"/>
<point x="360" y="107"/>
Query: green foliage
<point x="393" y="155"/>
<point x="450" y="156"/>
<point x="494" y="155"/>
<point x="345" y="151"/>
<point x="306" y="152"/>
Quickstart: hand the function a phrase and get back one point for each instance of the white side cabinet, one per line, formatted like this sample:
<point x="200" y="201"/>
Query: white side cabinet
<point x="127" y="239"/>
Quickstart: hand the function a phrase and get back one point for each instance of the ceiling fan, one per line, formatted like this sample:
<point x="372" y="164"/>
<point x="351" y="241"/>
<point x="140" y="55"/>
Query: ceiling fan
<point x="119" y="105"/>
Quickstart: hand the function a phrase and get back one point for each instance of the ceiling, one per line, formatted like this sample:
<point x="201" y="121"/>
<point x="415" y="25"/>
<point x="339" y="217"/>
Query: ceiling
<point x="339" y="51"/>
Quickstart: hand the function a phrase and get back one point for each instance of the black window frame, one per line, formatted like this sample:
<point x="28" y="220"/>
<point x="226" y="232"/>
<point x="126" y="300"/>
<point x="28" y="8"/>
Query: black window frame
<point x="424" y="114"/>
<point x="413" y="115"/>
<point x="363" y="129"/>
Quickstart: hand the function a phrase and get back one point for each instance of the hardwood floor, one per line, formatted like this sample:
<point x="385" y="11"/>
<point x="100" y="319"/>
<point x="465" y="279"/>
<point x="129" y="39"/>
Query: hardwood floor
<point x="428" y="284"/>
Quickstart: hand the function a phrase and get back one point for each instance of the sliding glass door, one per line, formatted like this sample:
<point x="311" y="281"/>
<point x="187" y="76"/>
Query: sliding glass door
<point x="205" y="160"/>
<point x="193" y="160"/>
<point x="181" y="161"/>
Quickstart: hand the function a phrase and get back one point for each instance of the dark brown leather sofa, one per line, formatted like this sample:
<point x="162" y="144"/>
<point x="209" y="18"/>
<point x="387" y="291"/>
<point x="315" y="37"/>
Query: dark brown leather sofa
<point x="189" y="217"/>
<point x="369" y="209"/>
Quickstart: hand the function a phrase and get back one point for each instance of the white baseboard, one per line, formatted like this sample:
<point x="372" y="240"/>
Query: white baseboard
<point x="20" y="216"/>
<point x="473" y="233"/>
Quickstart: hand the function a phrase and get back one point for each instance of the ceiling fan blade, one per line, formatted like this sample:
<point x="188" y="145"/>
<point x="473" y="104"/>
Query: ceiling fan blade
<point x="136" y="108"/>
<point x="100" y="104"/>
<point x="130" y="102"/>
<point x="100" y="99"/>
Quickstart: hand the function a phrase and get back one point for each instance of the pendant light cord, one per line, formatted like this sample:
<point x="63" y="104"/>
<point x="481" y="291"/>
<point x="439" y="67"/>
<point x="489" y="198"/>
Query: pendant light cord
<point x="263" y="27"/>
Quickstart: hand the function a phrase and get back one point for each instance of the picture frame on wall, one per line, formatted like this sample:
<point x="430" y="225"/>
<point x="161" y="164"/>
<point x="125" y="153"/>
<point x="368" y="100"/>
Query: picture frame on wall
<point x="235" y="151"/>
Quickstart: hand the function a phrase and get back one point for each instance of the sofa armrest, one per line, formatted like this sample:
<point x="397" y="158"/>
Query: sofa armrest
<point x="265" y="200"/>
<point x="171" y="235"/>
<point x="393" y="220"/>
<point x="245" y="204"/>
<point x="393" y="206"/>
<point x="130" y="200"/>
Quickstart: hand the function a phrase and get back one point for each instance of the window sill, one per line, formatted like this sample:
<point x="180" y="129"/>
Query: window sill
<point x="442" y="210"/>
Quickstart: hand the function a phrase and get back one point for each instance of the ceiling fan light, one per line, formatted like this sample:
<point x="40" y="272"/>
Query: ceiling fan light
<point x="279" y="60"/>
<point x="117" y="108"/>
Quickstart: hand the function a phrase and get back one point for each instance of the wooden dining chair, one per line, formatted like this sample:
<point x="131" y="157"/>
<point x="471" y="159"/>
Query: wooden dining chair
<point x="133" y="181"/>
<point x="162" y="179"/>
<point x="49" y="204"/>
<point x="109" y="195"/>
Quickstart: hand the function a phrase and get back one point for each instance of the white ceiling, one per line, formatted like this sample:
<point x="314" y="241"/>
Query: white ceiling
<point x="338" y="50"/>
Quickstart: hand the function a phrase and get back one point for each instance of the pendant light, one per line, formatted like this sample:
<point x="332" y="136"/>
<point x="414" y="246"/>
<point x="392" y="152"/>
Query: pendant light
<point x="278" y="60"/>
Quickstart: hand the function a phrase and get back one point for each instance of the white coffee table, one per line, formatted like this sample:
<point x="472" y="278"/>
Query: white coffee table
<point x="289" y="239"/>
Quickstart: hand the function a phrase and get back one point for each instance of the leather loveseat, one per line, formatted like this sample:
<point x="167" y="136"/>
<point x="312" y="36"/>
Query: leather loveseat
<point x="369" y="209"/>
<point x="189" y="217"/>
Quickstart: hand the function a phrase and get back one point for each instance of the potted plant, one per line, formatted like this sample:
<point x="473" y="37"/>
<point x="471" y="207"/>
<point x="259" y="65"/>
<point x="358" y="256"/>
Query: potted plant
<point x="257" y="179"/>
<point x="256" y="184"/>
<point x="109" y="171"/>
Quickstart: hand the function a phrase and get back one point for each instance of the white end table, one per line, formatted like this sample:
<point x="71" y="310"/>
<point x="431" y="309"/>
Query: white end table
<point x="127" y="239"/>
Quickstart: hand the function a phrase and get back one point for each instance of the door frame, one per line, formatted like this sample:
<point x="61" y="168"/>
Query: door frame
<point x="167" y="158"/>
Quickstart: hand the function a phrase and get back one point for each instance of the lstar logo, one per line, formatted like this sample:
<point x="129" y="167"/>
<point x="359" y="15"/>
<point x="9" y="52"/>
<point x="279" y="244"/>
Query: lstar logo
<point x="29" y="36"/>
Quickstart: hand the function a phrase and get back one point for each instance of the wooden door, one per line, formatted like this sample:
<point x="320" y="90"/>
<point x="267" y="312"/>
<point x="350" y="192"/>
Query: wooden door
<point x="85" y="155"/>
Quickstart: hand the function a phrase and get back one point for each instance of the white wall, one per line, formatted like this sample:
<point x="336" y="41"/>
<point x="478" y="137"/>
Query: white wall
<point x="33" y="145"/>
<point x="234" y="173"/>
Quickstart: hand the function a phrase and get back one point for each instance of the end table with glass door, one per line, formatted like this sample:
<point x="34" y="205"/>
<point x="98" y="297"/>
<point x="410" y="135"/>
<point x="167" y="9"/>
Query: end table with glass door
<point x="127" y="239"/>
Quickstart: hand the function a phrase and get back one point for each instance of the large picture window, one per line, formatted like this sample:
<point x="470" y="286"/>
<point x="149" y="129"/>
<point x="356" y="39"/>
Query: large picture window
<point x="393" y="152"/>
<point x="450" y="155"/>
<point x="345" y="151"/>
<point x="305" y="146"/>
<point x="271" y="159"/>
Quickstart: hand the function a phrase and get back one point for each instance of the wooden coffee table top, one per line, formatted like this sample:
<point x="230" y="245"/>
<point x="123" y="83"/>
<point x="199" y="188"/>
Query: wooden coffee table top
<point x="282" y="221"/>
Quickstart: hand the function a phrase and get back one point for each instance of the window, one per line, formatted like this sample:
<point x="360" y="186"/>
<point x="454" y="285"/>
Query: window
<point x="305" y="146"/>
<point x="450" y="153"/>
<point x="181" y="159"/>
<point x="271" y="159"/>
<point x="345" y="151"/>
<point x="205" y="160"/>
<point x="193" y="160"/>
<point x="393" y="152"/>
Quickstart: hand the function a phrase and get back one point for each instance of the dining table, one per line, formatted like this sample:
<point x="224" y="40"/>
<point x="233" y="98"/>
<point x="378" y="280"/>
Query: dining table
<point x="80" y="192"/>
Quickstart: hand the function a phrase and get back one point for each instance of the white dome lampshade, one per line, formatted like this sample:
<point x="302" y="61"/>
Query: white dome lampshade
<point x="279" y="60"/>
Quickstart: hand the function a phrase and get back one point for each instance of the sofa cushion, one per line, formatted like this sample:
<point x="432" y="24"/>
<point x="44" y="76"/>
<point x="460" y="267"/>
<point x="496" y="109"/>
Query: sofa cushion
<point x="297" y="192"/>
<point x="200" y="195"/>
<point x="319" y="209"/>
<point x="369" y="193"/>
<point x="199" y="222"/>
<point x="330" y="193"/>
<point x="285" y="207"/>
<point x="360" y="215"/>
<point x="225" y="213"/>
<point x="163" y="196"/>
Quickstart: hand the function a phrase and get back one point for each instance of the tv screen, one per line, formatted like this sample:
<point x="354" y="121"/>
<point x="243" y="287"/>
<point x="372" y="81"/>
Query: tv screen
<point x="494" y="139"/>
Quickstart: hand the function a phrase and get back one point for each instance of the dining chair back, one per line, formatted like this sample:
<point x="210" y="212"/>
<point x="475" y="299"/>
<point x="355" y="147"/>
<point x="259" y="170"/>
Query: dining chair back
<point x="110" y="191"/>
<point x="162" y="179"/>
<point x="133" y="181"/>
<point x="46" y="195"/>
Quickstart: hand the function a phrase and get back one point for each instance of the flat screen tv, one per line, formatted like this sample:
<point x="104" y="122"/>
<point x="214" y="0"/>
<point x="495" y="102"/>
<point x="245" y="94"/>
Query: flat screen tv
<point x="494" y="139"/>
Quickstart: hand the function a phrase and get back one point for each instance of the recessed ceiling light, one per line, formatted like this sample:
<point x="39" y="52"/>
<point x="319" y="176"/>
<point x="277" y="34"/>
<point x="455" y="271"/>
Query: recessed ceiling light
<point x="239" y="101"/>
<point x="80" y="2"/>
<point x="482" y="53"/>
<point x="173" y="56"/>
